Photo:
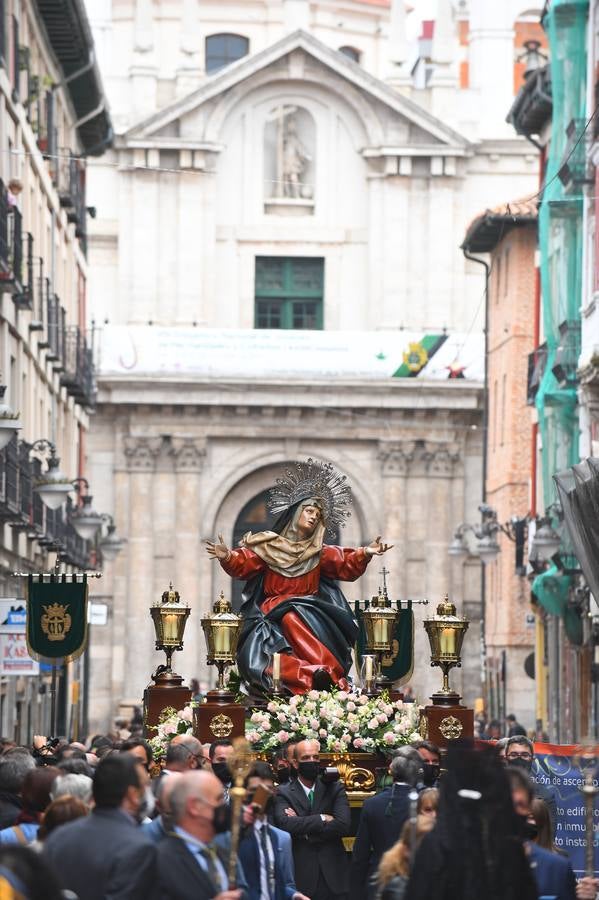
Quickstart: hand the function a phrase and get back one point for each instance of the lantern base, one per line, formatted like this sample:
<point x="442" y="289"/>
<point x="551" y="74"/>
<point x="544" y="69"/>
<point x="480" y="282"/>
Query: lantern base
<point x="167" y="690"/>
<point x="446" y="698"/>
<point x="218" y="717"/>
<point x="444" y="724"/>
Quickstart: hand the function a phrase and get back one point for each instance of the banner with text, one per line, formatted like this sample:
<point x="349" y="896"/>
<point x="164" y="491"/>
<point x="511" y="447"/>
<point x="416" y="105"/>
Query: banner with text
<point x="557" y="768"/>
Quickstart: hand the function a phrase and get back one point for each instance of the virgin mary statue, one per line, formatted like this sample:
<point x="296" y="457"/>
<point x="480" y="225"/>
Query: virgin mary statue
<point x="292" y="603"/>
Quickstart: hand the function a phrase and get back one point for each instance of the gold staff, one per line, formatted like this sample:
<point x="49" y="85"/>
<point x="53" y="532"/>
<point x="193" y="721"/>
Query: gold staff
<point x="239" y="764"/>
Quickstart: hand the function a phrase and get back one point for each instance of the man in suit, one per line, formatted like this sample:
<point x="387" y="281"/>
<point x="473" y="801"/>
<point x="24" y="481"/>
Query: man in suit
<point x="265" y="851"/>
<point x="192" y="865"/>
<point x="381" y="821"/>
<point x="552" y="872"/>
<point x="158" y="828"/>
<point x="105" y="854"/>
<point x="317" y="817"/>
<point x="520" y="752"/>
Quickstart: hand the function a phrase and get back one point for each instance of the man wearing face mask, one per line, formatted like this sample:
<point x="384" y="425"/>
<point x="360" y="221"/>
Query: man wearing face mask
<point x="519" y="752"/>
<point x="317" y="816"/>
<point x="431" y="762"/>
<point x="265" y="851"/>
<point x="192" y="865"/>
<point x="106" y="853"/>
<point x="220" y="753"/>
<point x="552" y="872"/>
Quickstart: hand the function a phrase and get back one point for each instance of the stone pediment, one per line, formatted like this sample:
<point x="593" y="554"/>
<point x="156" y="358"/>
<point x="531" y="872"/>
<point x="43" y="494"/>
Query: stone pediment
<point x="394" y="124"/>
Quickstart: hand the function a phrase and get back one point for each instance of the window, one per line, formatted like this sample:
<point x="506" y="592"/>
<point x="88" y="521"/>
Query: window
<point x="289" y="292"/>
<point x="223" y="49"/>
<point x="351" y="53"/>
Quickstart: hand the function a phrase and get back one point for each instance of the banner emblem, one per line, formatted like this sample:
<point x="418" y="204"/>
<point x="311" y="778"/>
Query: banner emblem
<point x="56" y="622"/>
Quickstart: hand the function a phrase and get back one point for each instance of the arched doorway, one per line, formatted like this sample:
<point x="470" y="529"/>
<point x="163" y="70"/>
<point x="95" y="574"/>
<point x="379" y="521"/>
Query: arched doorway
<point x="254" y="516"/>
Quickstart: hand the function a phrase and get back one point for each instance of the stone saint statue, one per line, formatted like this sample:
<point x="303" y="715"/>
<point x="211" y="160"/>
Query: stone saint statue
<point x="295" y="159"/>
<point x="292" y="602"/>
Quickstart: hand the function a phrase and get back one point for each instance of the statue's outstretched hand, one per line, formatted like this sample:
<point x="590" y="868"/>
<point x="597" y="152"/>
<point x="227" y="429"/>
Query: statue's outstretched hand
<point x="377" y="547"/>
<point x="217" y="551"/>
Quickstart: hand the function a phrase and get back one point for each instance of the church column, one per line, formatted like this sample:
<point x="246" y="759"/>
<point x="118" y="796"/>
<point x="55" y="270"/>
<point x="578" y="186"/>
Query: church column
<point x="188" y="454"/>
<point x="395" y="457"/>
<point x="140" y="453"/>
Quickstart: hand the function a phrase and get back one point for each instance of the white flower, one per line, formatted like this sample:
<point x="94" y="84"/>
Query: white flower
<point x="314" y="724"/>
<point x="342" y="695"/>
<point x="187" y="714"/>
<point x="351" y="706"/>
<point x="313" y="695"/>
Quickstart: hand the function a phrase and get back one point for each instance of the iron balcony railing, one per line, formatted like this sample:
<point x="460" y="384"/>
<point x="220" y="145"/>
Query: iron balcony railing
<point x="24" y="299"/>
<point x="71" y="190"/>
<point x="11" y="244"/>
<point x="78" y="376"/>
<point x="22" y="508"/>
<point x="574" y="171"/>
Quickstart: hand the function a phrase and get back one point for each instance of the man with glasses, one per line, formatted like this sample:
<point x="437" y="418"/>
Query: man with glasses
<point x="520" y="752"/>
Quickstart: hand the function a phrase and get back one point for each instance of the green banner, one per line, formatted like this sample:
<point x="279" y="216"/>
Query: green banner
<point x="56" y="619"/>
<point x="399" y="664"/>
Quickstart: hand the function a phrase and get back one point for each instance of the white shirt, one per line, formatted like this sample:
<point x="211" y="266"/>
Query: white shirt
<point x="267" y="867"/>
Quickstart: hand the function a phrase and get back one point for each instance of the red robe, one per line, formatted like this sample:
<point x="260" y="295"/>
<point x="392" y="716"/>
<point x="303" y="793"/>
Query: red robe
<point x="308" y="653"/>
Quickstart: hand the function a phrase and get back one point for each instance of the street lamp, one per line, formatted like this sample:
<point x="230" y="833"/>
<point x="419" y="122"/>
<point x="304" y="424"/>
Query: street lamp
<point x="486" y="545"/>
<point x="111" y="544"/>
<point x="488" y="549"/>
<point x="9" y="420"/>
<point x="85" y="520"/>
<point x="52" y="485"/>
<point x="546" y="541"/>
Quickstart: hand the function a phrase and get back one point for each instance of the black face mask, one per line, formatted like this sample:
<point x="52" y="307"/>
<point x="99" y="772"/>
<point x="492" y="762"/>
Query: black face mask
<point x="430" y="774"/>
<point x="309" y="770"/>
<point x="221" y="770"/>
<point x="524" y="764"/>
<point x="283" y="775"/>
<point x="222" y="818"/>
<point x="530" y="829"/>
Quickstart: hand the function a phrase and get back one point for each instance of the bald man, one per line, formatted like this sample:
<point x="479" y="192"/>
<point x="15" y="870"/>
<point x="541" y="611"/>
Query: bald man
<point x="192" y="865"/>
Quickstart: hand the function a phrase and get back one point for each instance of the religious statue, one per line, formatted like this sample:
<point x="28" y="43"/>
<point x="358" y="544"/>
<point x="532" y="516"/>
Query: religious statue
<point x="292" y="603"/>
<point x="295" y="159"/>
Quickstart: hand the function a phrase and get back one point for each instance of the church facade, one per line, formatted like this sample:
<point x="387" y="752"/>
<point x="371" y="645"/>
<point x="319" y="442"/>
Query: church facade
<point x="276" y="275"/>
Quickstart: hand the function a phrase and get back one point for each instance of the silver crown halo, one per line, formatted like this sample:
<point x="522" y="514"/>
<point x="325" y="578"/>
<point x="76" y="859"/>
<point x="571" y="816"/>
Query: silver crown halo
<point x="313" y="479"/>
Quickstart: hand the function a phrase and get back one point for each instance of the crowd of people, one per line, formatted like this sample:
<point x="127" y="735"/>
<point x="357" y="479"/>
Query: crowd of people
<point x="99" y="821"/>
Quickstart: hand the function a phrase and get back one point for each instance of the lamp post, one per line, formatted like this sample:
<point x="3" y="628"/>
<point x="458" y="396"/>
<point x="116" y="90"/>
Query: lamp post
<point x="85" y="520"/>
<point x="110" y="545"/>
<point x="10" y="422"/>
<point x="52" y="486"/>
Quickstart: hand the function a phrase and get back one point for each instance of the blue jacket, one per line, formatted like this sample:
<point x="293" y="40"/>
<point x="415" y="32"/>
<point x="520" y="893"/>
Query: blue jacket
<point x="249" y="857"/>
<point x="553" y="873"/>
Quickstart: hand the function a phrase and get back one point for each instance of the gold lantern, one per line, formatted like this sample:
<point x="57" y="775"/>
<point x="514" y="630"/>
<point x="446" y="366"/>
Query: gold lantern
<point x="380" y="621"/>
<point x="221" y="630"/>
<point x="446" y="632"/>
<point x="169" y="617"/>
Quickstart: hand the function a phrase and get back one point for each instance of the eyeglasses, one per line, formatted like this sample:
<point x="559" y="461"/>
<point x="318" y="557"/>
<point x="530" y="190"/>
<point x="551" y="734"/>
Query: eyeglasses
<point x="515" y="755"/>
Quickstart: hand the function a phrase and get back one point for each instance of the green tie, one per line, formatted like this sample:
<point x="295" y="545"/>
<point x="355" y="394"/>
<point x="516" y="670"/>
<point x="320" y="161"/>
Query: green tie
<point x="311" y="797"/>
<point x="210" y="855"/>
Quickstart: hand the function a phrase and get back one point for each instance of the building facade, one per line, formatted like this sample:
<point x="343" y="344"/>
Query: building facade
<point x="52" y="114"/>
<point x="274" y="277"/>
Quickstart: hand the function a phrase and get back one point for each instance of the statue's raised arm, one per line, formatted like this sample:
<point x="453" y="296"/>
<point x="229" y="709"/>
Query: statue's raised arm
<point x="292" y="603"/>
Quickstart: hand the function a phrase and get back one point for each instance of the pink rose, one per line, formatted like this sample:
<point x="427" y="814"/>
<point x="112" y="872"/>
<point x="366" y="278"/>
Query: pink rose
<point x="322" y="733"/>
<point x="282" y="737"/>
<point x="266" y="726"/>
<point x="389" y="737"/>
<point x="358" y="743"/>
<point x="313" y="695"/>
<point x="351" y="706"/>
<point x="382" y="718"/>
<point x="314" y="724"/>
<point x="342" y="695"/>
<point x="169" y="728"/>
<point x="281" y="717"/>
<point x="187" y="714"/>
<point x="253" y="737"/>
<point x="272" y="707"/>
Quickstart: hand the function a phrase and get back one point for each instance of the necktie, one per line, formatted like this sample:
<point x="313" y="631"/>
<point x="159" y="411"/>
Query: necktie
<point x="311" y="797"/>
<point x="210" y="855"/>
<point x="267" y="863"/>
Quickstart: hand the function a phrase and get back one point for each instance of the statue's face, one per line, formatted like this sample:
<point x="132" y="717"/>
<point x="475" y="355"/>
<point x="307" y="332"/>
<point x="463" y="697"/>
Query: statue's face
<point x="309" y="518"/>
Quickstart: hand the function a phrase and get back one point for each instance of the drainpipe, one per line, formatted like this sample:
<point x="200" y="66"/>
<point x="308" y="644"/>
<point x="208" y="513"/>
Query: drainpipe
<point x="483" y="582"/>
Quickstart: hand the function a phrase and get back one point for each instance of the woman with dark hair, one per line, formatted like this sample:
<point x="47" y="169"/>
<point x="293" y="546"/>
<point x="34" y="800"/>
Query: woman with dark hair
<point x="292" y="604"/>
<point x="36" y="797"/>
<point x="476" y="848"/>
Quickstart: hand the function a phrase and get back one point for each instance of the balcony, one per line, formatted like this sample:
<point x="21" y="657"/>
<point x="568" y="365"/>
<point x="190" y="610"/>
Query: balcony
<point x="574" y="172"/>
<point x="537" y="363"/>
<point x="565" y="364"/>
<point x="78" y="376"/>
<point x="11" y="244"/>
<point x="24" y="511"/>
<point x="24" y="298"/>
